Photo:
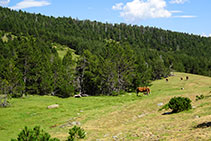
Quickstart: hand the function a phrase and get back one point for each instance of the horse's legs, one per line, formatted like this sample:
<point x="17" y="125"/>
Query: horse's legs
<point x="149" y="91"/>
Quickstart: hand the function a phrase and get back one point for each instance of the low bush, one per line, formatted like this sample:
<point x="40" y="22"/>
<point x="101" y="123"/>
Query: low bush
<point x="199" y="97"/>
<point x="35" y="134"/>
<point x="76" y="133"/>
<point x="4" y="101"/>
<point x="178" y="104"/>
<point x="115" y="93"/>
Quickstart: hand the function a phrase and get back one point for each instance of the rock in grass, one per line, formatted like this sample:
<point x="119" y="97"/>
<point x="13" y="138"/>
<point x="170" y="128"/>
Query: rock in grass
<point x="142" y="115"/>
<point x="160" y="104"/>
<point x="77" y="96"/>
<point x="106" y="135"/>
<point x="115" y="137"/>
<point x="53" y="106"/>
<point x="76" y="123"/>
<point x="84" y="95"/>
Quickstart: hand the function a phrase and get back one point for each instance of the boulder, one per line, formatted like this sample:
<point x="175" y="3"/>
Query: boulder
<point x="84" y="95"/>
<point x="142" y="115"/>
<point x="53" y="106"/>
<point x="76" y="123"/>
<point x="160" y="104"/>
<point x="77" y="96"/>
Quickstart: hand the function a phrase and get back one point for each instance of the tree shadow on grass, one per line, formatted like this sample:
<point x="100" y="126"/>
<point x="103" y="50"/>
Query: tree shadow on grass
<point x="2" y="128"/>
<point x="167" y="113"/>
<point x="203" y="125"/>
<point x="208" y="96"/>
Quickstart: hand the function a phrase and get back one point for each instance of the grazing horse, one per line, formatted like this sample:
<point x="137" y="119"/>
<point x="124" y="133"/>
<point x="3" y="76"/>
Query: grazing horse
<point x="142" y="90"/>
<point x="181" y="78"/>
<point x="187" y="78"/>
<point x="167" y="79"/>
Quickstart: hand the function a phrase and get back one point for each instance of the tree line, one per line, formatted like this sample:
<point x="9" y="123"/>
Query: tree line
<point x="31" y="66"/>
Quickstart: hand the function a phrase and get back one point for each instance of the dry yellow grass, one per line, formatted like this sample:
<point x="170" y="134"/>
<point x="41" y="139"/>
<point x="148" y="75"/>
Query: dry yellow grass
<point x="142" y="121"/>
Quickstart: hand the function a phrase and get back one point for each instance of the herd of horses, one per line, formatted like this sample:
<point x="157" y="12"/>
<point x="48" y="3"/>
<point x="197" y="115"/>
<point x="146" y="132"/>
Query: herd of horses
<point x="146" y="90"/>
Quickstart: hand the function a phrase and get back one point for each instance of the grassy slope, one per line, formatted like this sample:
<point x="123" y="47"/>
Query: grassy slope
<point x="62" y="50"/>
<point x="129" y="117"/>
<point x="7" y="36"/>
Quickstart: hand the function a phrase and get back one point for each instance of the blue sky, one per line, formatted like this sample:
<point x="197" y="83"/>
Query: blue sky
<point x="189" y="16"/>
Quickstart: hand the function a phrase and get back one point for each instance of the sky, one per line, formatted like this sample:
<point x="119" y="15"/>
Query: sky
<point x="187" y="16"/>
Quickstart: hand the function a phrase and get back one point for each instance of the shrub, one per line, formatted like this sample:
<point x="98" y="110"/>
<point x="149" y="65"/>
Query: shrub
<point x="4" y="101"/>
<point x="199" y="97"/>
<point x="114" y="93"/>
<point x="178" y="104"/>
<point x="166" y="107"/>
<point x="117" y="93"/>
<point x="76" y="132"/>
<point x="34" y="134"/>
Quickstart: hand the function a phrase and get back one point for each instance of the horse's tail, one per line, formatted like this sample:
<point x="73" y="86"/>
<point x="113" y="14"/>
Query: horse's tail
<point x="149" y="91"/>
<point x="137" y="91"/>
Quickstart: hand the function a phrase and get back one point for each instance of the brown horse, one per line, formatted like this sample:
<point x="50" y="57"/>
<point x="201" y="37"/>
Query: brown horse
<point x="187" y="77"/>
<point x="143" y="90"/>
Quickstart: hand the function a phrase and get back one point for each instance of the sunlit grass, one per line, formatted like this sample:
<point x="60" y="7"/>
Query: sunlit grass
<point x="126" y="116"/>
<point x="62" y="50"/>
<point x="32" y="110"/>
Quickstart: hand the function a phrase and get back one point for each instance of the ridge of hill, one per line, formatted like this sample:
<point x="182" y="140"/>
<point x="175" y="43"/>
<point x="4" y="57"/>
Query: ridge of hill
<point x="124" y="117"/>
<point x="63" y="27"/>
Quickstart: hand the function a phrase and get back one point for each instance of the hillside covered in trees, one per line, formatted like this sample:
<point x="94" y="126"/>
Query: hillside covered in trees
<point x="112" y="57"/>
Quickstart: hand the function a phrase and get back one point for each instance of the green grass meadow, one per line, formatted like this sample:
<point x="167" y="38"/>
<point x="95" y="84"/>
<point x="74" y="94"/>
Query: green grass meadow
<point x="124" y="117"/>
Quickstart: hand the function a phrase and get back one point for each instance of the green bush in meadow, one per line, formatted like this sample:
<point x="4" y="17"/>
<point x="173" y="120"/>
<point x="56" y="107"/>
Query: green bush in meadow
<point x="35" y="134"/>
<point x="178" y="104"/>
<point x="76" y="133"/>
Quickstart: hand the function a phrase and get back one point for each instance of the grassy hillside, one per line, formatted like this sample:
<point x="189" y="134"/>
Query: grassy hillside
<point x="124" y="117"/>
<point x="5" y="37"/>
<point x="62" y="50"/>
